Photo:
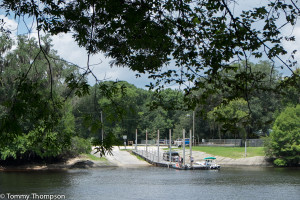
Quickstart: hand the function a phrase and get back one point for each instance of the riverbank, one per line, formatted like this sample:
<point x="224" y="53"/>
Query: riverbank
<point x="82" y="161"/>
<point x="121" y="158"/>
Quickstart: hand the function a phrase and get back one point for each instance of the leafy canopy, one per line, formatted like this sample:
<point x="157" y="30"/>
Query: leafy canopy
<point x="192" y="37"/>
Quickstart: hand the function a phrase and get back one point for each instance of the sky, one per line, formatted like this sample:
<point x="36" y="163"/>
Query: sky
<point x="69" y="50"/>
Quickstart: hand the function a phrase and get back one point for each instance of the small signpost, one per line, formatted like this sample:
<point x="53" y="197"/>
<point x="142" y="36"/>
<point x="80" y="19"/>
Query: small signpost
<point x="125" y="138"/>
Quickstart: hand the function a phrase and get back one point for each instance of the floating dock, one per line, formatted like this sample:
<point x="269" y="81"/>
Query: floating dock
<point x="157" y="160"/>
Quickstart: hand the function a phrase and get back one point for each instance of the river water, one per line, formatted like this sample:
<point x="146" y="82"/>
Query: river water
<point x="152" y="183"/>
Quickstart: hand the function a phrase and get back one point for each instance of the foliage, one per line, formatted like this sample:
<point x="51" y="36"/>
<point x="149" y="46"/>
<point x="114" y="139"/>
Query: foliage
<point x="79" y="146"/>
<point x="174" y="41"/>
<point x="36" y="119"/>
<point x="280" y="162"/>
<point x="233" y="116"/>
<point x="284" y="141"/>
<point x="201" y="37"/>
<point x="105" y="147"/>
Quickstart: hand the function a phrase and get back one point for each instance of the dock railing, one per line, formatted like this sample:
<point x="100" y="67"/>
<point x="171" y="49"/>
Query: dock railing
<point x="151" y="156"/>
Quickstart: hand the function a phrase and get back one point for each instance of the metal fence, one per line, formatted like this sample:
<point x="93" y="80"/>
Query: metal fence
<point x="232" y="142"/>
<point x="150" y="142"/>
<point x="150" y="154"/>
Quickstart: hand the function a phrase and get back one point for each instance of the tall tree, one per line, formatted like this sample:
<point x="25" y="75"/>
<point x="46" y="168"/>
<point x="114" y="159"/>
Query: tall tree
<point x="284" y="142"/>
<point x="35" y="117"/>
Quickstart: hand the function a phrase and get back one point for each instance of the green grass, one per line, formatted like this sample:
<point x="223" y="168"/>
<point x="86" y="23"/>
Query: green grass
<point x="137" y="156"/>
<point x="230" y="152"/>
<point x="95" y="158"/>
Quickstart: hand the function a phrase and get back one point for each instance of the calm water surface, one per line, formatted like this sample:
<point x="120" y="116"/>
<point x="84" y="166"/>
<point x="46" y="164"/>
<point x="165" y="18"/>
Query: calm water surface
<point x="155" y="183"/>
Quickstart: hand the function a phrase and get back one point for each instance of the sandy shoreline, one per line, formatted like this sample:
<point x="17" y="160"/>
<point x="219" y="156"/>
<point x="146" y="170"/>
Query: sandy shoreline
<point x="80" y="162"/>
<point x="125" y="159"/>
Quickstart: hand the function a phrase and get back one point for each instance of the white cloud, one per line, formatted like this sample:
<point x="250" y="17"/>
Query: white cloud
<point x="68" y="49"/>
<point x="10" y="24"/>
<point x="295" y="45"/>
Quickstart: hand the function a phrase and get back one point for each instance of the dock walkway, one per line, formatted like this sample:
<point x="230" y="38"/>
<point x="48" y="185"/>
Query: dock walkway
<point x="153" y="156"/>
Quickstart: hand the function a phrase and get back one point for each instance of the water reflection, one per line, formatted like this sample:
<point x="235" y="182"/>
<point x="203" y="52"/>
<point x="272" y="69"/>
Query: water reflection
<point x="157" y="183"/>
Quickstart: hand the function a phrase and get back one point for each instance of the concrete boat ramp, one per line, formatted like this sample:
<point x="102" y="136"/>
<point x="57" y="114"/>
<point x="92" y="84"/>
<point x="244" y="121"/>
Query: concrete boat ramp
<point x="122" y="158"/>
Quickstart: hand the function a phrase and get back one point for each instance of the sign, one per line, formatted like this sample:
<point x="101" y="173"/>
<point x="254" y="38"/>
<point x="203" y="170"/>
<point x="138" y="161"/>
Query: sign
<point x="124" y="137"/>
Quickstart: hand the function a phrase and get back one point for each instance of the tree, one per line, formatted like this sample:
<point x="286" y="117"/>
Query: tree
<point x="290" y="92"/>
<point x="283" y="143"/>
<point x="191" y="38"/>
<point x="202" y="36"/>
<point x="36" y="118"/>
<point x="232" y="117"/>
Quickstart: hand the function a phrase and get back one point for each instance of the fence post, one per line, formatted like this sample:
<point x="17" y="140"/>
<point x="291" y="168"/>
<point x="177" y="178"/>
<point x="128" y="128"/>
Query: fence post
<point x="136" y="140"/>
<point x="146" y="143"/>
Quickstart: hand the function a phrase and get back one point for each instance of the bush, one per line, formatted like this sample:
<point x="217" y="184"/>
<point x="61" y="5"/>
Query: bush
<point x="38" y="143"/>
<point x="280" y="162"/>
<point x="78" y="146"/>
<point x="283" y="143"/>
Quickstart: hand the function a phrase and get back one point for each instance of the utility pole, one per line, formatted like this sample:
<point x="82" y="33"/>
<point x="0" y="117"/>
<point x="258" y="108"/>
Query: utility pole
<point x="102" y="134"/>
<point x="183" y="146"/>
<point x="193" y="128"/>
<point x="158" y="146"/>
<point x="170" y="140"/>
<point x="191" y="151"/>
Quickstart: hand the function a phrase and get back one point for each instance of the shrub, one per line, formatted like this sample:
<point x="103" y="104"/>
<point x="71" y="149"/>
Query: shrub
<point x="78" y="146"/>
<point x="280" y="162"/>
<point x="283" y="143"/>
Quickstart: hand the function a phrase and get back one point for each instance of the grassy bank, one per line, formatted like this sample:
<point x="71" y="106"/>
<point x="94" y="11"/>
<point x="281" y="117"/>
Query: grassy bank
<point x="231" y="152"/>
<point x="94" y="158"/>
